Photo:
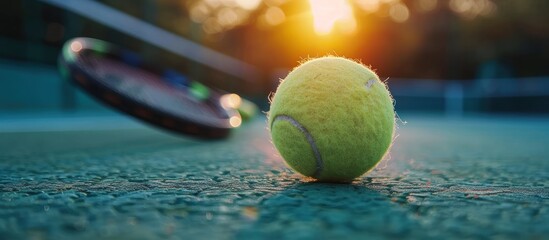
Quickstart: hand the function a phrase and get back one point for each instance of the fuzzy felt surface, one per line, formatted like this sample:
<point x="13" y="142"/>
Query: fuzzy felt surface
<point x="346" y="109"/>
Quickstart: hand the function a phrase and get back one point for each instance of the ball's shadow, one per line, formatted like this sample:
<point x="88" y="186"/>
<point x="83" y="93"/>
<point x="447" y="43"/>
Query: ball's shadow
<point x="326" y="210"/>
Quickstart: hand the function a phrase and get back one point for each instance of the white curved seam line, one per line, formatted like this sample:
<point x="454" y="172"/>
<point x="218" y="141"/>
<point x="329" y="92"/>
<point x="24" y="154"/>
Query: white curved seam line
<point x="309" y="138"/>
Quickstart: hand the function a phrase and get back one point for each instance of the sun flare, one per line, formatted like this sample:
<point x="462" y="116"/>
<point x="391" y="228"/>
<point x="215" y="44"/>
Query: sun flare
<point x="329" y="14"/>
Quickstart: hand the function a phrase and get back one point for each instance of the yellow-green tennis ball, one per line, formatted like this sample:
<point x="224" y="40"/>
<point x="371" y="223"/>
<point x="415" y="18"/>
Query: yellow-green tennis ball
<point x="332" y="119"/>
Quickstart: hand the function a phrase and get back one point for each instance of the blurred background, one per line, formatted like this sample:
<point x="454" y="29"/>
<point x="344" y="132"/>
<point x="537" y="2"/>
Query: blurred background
<point x="453" y="57"/>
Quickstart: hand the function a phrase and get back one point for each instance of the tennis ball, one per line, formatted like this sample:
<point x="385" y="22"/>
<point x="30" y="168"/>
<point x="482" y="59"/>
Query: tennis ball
<point x="332" y="119"/>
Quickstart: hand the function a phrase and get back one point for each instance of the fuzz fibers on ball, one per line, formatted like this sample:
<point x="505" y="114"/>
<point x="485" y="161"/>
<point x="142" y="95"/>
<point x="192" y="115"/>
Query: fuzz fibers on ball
<point x="332" y="119"/>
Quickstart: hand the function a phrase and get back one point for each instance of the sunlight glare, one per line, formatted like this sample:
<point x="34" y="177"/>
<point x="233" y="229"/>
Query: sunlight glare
<point x="230" y="100"/>
<point x="399" y="12"/>
<point x="76" y="46"/>
<point x="328" y="13"/>
<point x="274" y="16"/>
<point x="235" y="121"/>
<point x="248" y="4"/>
<point x="368" y="5"/>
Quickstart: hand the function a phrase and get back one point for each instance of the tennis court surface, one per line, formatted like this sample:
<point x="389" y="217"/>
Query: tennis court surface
<point x="81" y="176"/>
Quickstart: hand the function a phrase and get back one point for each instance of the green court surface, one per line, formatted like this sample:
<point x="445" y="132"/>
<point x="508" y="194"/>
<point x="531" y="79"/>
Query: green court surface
<point x="109" y="177"/>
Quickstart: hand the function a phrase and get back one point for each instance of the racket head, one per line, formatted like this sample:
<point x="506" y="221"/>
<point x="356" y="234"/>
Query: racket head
<point x="162" y="97"/>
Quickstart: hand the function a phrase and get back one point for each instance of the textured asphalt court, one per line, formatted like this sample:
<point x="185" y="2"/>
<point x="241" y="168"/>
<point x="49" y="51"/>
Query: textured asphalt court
<point x="112" y="178"/>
